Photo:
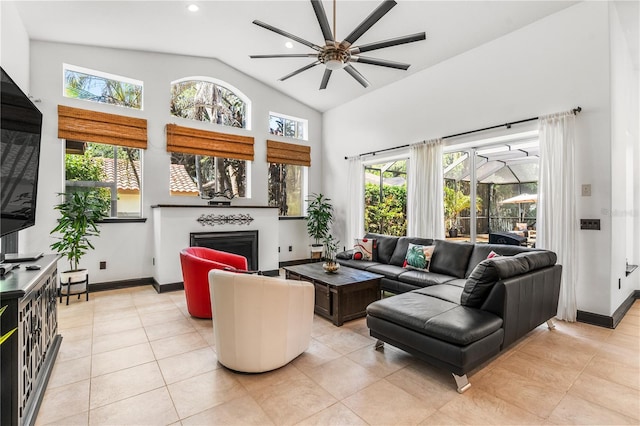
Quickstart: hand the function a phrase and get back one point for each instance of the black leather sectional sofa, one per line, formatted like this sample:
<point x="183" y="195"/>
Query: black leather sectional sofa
<point x="466" y="308"/>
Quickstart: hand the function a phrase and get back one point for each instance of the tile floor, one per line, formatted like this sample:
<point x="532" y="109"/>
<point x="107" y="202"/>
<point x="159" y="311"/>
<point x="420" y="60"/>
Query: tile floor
<point x="135" y="357"/>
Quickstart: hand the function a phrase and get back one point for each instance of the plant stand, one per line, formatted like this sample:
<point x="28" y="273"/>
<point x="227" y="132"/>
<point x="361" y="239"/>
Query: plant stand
<point x="73" y="288"/>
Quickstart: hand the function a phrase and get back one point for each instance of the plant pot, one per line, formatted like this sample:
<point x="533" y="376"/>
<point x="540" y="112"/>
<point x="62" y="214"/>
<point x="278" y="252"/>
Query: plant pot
<point x="316" y="251"/>
<point x="453" y="232"/>
<point x="73" y="282"/>
<point x="331" y="266"/>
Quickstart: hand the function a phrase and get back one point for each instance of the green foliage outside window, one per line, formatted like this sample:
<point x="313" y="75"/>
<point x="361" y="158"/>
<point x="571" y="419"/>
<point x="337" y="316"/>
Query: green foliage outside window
<point x="386" y="216"/>
<point x="207" y="101"/>
<point x="100" y="89"/>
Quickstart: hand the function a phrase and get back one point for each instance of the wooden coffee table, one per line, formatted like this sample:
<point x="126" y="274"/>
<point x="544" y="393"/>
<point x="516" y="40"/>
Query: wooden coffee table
<point x="340" y="296"/>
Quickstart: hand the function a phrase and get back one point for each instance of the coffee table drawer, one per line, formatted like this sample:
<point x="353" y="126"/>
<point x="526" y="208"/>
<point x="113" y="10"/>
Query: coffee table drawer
<point x="323" y="299"/>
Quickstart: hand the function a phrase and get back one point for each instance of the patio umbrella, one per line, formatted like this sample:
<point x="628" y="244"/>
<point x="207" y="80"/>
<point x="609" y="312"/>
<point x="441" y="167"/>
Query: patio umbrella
<point x="521" y="199"/>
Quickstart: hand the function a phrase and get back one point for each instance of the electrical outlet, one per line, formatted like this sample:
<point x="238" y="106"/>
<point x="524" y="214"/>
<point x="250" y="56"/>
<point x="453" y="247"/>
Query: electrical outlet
<point x="103" y="265"/>
<point x="593" y="224"/>
<point x="290" y="248"/>
<point x="586" y="190"/>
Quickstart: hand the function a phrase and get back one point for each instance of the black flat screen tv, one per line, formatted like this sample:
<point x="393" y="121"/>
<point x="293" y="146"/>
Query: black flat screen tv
<point x="21" y="124"/>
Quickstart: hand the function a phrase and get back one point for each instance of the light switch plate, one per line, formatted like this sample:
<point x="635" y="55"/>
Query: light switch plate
<point x="586" y="190"/>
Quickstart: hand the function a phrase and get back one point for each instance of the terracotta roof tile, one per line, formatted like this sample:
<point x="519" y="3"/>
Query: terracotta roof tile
<point x="180" y="179"/>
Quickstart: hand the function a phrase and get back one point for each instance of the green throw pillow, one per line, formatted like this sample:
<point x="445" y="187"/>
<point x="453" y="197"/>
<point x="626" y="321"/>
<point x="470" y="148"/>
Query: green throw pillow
<point x="416" y="257"/>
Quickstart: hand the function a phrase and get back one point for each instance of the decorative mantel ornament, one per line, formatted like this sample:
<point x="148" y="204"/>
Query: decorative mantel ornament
<point x="221" y="219"/>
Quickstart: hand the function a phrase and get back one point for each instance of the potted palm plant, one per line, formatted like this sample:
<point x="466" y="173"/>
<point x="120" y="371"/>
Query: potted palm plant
<point x="79" y="213"/>
<point x="319" y="218"/>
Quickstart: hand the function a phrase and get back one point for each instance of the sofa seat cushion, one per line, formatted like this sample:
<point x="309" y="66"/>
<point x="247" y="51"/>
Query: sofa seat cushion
<point x="451" y="258"/>
<point x="389" y="271"/>
<point x="423" y="278"/>
<point x="458" y="282"/>
<point x="436" y="318"/>
<point x="357" y="264"/>
<point x="446" y="292"/>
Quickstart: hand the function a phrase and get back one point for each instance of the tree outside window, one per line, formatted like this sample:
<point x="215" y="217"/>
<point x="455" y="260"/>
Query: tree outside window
<point x="286" y="188"/>
<point x="97" y="86"/>
<point x="208" y="101"/>
<point x="292" y="127"/>
<point x="113" y="172"/>
<point x="207" y="177"/>
<point x="386" y="198"/>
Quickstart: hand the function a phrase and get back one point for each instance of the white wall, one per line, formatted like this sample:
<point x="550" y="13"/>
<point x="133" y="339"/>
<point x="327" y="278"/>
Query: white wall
<point x="14" y="45"/>
<point x="552" y="65"/>
<point x="625" y="215"/>
<point x="127" y="248"/>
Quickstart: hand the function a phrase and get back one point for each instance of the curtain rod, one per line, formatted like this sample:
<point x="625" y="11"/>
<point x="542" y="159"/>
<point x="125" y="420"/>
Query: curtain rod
<point x="574" y="111"/>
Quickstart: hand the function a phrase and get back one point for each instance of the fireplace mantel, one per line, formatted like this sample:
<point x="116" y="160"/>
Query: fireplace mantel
<point x="173" y="223"/>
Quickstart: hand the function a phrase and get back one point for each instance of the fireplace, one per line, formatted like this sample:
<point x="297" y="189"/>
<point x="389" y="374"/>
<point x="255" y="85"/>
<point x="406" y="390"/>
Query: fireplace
<point x="244" y="243"/>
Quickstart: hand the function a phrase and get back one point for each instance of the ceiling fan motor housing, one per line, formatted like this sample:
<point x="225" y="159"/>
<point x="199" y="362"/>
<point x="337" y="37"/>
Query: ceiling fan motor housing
<point x="334" y="57"/>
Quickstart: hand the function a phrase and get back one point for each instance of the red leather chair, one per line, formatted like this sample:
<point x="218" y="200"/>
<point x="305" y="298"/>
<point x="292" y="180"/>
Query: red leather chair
<point x="196" y="263"/>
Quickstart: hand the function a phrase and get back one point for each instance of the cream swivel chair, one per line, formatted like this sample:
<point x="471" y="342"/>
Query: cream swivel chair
<point x="260" y="323"/>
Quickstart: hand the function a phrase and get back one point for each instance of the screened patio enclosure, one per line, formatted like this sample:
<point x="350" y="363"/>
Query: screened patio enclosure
<point x="501" y="173"/>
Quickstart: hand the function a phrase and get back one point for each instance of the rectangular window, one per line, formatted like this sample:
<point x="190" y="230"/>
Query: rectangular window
<point x="284" y="125"/>
<point x="385" y="198"/>
<point x="113" y="171"/>
<point x="97" y="86"/>
<point x="208" y="177"/>
<point x="286" y="188"/>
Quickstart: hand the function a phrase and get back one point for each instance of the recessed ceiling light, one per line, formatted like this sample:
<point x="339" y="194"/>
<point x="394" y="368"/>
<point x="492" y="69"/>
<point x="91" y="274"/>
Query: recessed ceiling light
<point x="193" y="8"/>
<point x="289" y="45"/>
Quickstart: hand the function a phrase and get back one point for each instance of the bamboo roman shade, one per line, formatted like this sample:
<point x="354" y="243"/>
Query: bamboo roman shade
<point x="288" y="153"/>
<point x="202" y="142"/>
<point x="76" y="124"/>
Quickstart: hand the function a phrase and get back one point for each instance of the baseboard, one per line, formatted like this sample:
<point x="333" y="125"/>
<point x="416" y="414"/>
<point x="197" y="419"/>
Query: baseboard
<point x="295" y="262"/>
<point x="271" y="272"/>
<point x="112" y="285"/>
<point x="609" y="321"/>
<point x="163" y="288"/>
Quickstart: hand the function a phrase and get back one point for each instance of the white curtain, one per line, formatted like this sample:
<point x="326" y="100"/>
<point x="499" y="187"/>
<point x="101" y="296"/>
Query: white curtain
<point x="556" y="219"/>
<point x="425" y="207"/>
<point x="355" y="201"/>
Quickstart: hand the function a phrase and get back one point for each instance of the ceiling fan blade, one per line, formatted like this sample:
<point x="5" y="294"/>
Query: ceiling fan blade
<point x="381" y="62"/>
<point x="325" y="79"/>
<point x="285" y="55"/>
<point x="355" y="74"/>
<point x="388" y="43"/>
<point x="322" y="20"/>
<point x="298" y="71"/>
<point x="374" y="17"/>
<point x="288" y="35"/>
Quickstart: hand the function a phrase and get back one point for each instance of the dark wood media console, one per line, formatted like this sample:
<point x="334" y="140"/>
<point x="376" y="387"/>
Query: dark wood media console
<point x="27" y="357"/>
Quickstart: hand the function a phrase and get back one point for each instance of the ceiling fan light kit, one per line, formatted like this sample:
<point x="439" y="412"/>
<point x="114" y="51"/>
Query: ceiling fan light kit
<point x="336" y="55"/>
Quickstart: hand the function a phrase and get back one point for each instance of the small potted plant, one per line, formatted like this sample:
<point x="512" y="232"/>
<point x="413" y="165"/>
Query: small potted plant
<point x="330" y="250"/>
<point x="319" y="218"/>
<point x="79" y="213"/>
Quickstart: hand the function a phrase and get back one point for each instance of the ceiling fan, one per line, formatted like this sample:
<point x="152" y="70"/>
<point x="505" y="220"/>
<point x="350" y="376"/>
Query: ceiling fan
<point x="336" y="55"/>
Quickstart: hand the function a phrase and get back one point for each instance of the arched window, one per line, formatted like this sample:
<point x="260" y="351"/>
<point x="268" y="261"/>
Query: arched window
<point x="211" y="100"/>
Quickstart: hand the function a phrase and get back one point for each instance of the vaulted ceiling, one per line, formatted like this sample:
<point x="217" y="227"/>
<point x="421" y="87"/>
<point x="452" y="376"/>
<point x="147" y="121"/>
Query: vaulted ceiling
<point x="224" y="30"/>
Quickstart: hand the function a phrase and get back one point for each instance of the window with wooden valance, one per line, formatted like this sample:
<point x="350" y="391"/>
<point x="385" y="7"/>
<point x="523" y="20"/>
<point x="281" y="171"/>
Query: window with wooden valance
<point x="288" y="153"/>
<point x="202" y="142"/>
<point x="75" y="124"/>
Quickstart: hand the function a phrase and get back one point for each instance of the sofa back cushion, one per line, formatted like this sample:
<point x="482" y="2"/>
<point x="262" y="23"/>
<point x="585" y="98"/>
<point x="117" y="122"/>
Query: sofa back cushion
<point x="402" y="246"/>
<point x="486" y="274"/>
<point x="450" y="258"/>
<point x="384" y="246"/>
<point x="481" y="252"/>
